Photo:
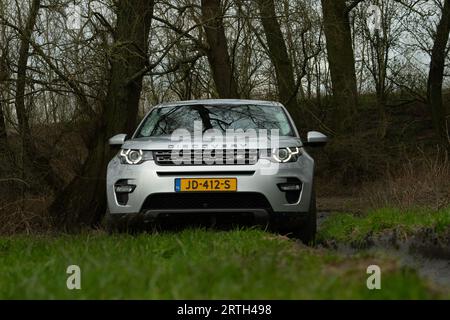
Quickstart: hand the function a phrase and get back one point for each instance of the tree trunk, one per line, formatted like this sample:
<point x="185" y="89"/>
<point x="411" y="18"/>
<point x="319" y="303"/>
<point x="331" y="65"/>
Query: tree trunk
<point x="287" y="90"/>
<point x="22" y="115"/>
<point x="435" y="77"/>
<point x="4" y="76"/>
<point x="341" y="60"/>
<point x="217" y="53"/>
<point x="33" y="160"/>
<point x="3" y="135"/>
<point x="83" y="201"/>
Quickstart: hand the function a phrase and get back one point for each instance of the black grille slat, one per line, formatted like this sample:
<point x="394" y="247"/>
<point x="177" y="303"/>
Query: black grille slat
<point x="200" y="157"/>
<point x="206" y="200"/>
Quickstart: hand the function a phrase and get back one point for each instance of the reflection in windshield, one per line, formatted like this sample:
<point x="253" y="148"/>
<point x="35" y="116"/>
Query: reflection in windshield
<point x="165" y="120"/>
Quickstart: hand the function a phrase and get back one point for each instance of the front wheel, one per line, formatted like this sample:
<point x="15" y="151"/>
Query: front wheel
<point x="115" y="223"/>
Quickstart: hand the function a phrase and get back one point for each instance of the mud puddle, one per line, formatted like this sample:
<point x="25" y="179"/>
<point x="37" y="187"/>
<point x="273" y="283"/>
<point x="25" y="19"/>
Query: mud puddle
<point x="426" y="250"/>
<point x="435" y="269"/>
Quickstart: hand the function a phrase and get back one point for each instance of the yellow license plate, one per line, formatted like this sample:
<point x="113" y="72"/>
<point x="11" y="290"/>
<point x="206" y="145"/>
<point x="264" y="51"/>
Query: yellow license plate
<point x="205" y="184"/>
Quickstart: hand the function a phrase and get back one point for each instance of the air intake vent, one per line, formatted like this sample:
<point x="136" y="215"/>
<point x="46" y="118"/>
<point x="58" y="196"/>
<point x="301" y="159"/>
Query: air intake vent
<point x="207" y="200"/>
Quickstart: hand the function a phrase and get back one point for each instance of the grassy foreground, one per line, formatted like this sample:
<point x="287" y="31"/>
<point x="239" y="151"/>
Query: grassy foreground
<point x="248" y="264"/>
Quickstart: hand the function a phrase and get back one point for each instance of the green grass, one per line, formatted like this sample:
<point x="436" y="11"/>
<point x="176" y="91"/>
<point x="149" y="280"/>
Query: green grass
<point x="194" y="264"/>
<point x="348" y="227"/>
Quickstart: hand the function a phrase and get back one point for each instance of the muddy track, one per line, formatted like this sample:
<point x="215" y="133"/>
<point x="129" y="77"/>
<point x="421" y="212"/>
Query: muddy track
<point x="426" y="250"/>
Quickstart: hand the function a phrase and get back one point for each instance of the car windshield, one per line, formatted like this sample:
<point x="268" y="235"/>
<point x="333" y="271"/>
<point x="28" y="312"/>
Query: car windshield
<point x="165" y="120"/>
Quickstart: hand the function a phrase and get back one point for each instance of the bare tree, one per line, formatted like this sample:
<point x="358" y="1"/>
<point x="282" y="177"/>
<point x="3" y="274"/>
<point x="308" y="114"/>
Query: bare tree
<point x="436" y="74"/>
<point x="278" y="54"/>
<point x="83" y="201"/>
<point x="39" y="164"/>
<point x="22" y="115"/>
<point x="217" y="52"/>
<point x="4" y="75"/>
<point x="380" y="55"/>
<point x="341" y="58"/>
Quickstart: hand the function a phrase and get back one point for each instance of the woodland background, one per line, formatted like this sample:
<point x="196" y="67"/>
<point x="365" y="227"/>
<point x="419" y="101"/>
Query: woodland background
<point x="74" y="73"/>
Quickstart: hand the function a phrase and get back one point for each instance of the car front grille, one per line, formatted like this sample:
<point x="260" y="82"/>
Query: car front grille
<point x="206" y="200"/>
<point x="206" y="157"/>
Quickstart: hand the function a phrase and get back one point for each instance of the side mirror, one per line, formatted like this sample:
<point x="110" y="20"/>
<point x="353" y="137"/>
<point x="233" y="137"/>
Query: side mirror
<point x="117" y="140"/>
<point x="316" y="139"/>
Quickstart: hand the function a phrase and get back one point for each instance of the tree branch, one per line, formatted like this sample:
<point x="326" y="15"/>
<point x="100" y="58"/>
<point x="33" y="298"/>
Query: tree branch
<point x="352" y="5"/>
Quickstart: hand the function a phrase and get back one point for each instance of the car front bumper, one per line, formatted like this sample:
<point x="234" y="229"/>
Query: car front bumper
<point x="150" y="178"/>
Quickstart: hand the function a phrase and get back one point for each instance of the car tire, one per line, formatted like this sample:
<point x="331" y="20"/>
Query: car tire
<point x="114" y="224"/>
<point x="307" y="230"/>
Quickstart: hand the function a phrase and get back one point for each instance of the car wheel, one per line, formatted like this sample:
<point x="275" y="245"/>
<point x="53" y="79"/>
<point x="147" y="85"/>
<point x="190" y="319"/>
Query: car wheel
<point x="307" y="230"/>
<point x="114" y="224"/>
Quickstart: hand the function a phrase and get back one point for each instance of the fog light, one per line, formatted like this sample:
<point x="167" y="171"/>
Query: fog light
<point x="129" y="188"/>
<point x="289" y="187"/>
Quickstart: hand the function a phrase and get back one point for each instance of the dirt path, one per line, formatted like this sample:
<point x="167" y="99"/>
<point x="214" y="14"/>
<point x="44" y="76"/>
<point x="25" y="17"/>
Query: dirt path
<point x="419" y="252"/>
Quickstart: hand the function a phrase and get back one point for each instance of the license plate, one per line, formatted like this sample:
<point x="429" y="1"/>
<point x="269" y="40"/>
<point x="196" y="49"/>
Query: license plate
<point x="205" y="184"/>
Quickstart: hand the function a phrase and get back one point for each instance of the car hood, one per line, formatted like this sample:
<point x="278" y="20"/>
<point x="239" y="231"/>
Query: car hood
<point x="167" y="142"/>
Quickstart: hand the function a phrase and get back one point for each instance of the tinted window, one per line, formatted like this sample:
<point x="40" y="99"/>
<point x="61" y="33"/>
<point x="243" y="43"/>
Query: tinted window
<point x="165" y="120"/>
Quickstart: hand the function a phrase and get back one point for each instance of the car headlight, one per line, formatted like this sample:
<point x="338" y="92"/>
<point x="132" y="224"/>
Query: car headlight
<point x="289" y="154"/>
<point x="134" y="156"/>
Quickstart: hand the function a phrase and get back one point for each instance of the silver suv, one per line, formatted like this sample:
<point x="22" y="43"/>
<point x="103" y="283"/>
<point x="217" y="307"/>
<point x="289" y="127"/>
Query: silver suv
<point x="215" y="158"/>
